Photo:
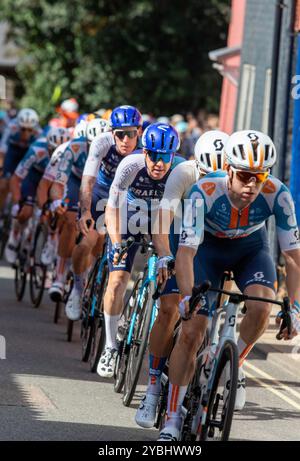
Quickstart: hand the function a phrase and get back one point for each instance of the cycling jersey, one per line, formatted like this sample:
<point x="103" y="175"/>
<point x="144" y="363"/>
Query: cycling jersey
<point x="223" y="220"/>
<point x="141" y="191"/>
<point x="103" y="161"/>
<point x="179" y="182"/>
<point x="14" y="148"/>
<point x="12" y="136"/>
<point x="31" y="169"/>
<point x="73" y="160"/>
<point x="70" y="169"/>
<point x="37" y="158"/>
<point x="52" y="167"/>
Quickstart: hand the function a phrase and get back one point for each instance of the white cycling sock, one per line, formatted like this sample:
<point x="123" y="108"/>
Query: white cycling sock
<point x="111" y="328"/>
<point x="62" y="268"/>
<point x="175" y="401"/>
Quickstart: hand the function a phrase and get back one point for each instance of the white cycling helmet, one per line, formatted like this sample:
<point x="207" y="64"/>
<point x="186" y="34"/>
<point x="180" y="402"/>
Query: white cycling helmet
<point x="210" y="151"/>
<point x="69" y="105"/>
<point x="96" y="127"/>
<point x="250" y="150"/>
<point x="80" y="129"/>
<point x="28" y="118"/>
<point x="57" y="136"/>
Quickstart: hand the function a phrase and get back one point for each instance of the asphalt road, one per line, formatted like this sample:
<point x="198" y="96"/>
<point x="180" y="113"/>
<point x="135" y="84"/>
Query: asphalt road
<point x="47" y="393"/>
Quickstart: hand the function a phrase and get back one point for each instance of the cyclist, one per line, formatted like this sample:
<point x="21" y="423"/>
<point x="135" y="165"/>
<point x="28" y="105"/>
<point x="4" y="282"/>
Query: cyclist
<point x="17" y="137"/>
<point x="24" y="183"/>
<point x="237" y="204"/>
<point x="140" y="180"/>
<point x="106" y="153"/>
<point x="68" y="179"/>
<point x="209" y="156"/>
<point x="43" y="191"/>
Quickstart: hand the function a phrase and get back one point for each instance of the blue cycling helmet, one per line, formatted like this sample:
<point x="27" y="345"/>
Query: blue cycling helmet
<point x="124" y="116"/>
<point x="161" y="137"/>
<point x="81" y="117"/>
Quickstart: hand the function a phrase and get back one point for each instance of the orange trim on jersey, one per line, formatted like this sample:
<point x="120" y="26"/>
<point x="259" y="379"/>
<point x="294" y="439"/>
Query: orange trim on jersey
<point x="269" y="187"/>
<point x="244" y="220"/>
<point x="209" y="187"/>
<point x="276" y="285"/>
<point x="234" y="217"/>
<point x="75" y="147"/>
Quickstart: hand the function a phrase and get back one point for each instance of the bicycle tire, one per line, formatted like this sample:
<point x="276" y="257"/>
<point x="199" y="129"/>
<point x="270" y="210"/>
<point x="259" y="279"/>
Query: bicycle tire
<point x="88" y="322"/>
<point x="121" y="362"/>
<point x="57" y="311"/>
<point x="38" y="270"/>
<point x="229" y="353"/>
<point x="98" y="339"/>
<point x="20" y="279"/>
<point x="137" y="351"/>
<point x="70" y="330"/>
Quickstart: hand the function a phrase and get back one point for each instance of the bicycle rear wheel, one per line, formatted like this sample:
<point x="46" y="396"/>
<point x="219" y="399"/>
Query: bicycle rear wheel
<point x="219" y="412"/>
<point x="122" y="358"/>
<point x="139" y="345"/>
<point x="37" y="269"/>
<point x="88" y="319"/>
<point x="98" y="338"/>
<point x="57" y="311"/>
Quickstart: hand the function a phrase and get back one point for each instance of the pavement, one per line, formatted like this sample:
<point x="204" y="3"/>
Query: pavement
<point x="48" y="393"/>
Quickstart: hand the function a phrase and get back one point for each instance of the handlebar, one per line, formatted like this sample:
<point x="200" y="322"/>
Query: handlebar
<point x="160" y="286"/>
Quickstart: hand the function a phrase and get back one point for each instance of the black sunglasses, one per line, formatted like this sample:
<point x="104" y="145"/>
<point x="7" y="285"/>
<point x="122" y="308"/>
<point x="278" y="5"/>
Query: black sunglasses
<point x="122" y="133"/>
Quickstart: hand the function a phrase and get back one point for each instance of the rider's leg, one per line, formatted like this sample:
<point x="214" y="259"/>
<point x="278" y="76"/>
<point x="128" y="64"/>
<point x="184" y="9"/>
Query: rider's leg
<point x="4" y="189"/>
<point x="82" y="259"/>
<point x="161" y="339"/>
<point x="66" y="244"/>
<point x="113" y="303"/>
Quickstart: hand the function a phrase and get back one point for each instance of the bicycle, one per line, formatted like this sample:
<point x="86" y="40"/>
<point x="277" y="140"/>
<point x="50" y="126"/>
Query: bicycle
<point x="92" y="323"/>
<point x="23" y="261"/>
<point x="208" y="407"/>
<point x="138" y="317"/>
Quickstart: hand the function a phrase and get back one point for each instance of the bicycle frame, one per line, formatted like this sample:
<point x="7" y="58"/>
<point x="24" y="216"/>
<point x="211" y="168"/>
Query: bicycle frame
<point x="151" y="277"/>
<point x="98" y="280"/>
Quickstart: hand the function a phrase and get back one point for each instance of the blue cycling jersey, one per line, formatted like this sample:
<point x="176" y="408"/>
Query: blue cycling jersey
<point x="13" y="136"/>
<point x="223" y="220"/>
<point x="36" y="159"/>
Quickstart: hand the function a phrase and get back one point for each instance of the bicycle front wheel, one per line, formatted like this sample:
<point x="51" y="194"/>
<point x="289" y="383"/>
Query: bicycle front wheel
<point x="37" y="269"/>
<point x="221" y="399"/>
<point x="20" y="278"/>
<point x="126" y="319"/>
<point x="139" y="344"/>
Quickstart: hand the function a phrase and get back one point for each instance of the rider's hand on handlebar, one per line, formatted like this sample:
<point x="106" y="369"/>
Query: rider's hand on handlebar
<point x="163" y="274"/>
<point x="83" y="223"/>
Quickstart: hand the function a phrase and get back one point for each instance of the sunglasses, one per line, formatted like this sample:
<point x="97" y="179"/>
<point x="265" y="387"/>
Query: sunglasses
<point x="156" y="156"/>
<point x="246" y="176"/>
<point x="122" y="133"/>
<point x="28" y="130"/>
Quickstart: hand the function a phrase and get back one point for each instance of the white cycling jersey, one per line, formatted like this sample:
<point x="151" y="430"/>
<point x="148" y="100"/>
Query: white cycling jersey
<point x="52" y="167"/>
<point x="98" y="150"/>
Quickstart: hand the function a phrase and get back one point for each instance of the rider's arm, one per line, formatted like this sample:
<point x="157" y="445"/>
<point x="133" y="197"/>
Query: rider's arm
<point x="98" y="150"/>
<point x="43" y="191"/>
<point x="178" y="183"/>
<point x="15" y="187"/>
<point x="289" y="240"/>
<point x="185" y="269"/>
<point x="292" y="261"/>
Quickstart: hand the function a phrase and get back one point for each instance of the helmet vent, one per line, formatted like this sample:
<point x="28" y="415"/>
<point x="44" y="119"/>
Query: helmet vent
<point x="153" y="140"/>
<point x="172" y="142"/>
<point x="208" y="160"/>
<point x="242" y="151"/>
<point x="162" y="140"/>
